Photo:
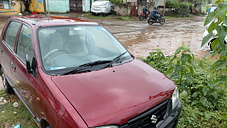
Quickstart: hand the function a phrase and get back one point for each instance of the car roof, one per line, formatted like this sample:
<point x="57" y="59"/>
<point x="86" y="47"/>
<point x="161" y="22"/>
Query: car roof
<point x="46" y="20"/>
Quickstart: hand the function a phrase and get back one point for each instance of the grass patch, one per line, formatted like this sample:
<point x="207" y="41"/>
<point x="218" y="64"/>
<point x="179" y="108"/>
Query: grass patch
<point x="11" y="116"/>
<point x="109" y="17"/>
<point x="179" y="17"/>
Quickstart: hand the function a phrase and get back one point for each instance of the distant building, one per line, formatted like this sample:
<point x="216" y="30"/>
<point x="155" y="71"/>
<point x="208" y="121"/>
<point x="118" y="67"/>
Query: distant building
<point x="44" y="6"/>
<point x="10" y="7"/>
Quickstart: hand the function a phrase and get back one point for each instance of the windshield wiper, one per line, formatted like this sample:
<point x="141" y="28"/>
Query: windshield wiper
<point x="77" y="70"/>
<point x="96" y="63"/>
<point x="116" y="59"/>
<point x="87" y="67"/>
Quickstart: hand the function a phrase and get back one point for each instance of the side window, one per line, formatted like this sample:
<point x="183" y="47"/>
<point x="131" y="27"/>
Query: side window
<point x="24" y="45"/>
<point x="11" y="33"/>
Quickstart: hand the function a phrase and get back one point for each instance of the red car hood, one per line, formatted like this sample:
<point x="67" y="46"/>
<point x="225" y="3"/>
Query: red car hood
<point x="114" y="95"/>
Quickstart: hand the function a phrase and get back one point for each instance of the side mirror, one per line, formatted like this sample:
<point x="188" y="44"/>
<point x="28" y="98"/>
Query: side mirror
<point x="31" y="68"/>
<point x="28" y="65"/>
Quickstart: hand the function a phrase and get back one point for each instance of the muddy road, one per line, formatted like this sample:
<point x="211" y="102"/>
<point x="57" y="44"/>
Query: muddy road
<point x="140" y="38"/>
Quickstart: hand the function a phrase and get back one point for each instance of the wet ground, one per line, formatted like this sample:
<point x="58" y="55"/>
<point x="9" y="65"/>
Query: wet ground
<point x="140" y="38"/>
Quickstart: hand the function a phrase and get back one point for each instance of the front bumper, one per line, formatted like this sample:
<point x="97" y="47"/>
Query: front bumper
<point x="166" y="117"/>
<point x="172" y="120"/>
<point x="100" y="10"/>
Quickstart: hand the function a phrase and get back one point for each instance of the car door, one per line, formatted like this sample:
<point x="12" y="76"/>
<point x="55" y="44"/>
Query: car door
<point x="7" y="48"/>
<point x="23" y="81"/>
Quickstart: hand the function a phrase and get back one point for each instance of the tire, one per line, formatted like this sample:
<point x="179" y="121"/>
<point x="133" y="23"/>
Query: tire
<point x="141" y="18"/>
<point x="149" y="21"/>
<point x="162" y="21"/>
<point x="5" y="83"/>
<point x="210" y="43"/>
<point x="95" y="14"/>
<point x="104" y="14"/>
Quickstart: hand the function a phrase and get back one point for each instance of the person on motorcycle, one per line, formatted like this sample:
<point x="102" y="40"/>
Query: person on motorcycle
<point x="145" y="11"/>
<point x="154" y="13"/>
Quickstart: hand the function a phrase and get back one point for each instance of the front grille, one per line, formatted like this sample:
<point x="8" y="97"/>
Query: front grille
<point x="150" y="118"/>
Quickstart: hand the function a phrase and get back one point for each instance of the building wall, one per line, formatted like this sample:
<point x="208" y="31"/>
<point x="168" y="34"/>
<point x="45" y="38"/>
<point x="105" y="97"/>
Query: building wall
<point x="86" y="5"/>
<point x="8" y="7"/>
<point x="37" y="6"/>
<point x="57" y="6"/>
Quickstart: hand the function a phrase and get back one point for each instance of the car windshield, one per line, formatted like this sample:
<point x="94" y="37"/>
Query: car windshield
<point x="75" y="49"/>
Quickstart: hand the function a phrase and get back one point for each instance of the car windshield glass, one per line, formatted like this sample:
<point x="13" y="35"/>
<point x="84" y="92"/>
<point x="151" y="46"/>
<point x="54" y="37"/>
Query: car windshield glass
<point x="64" y="48"/>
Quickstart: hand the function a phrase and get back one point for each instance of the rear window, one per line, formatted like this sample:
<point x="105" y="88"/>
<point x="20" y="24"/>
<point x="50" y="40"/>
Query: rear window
<point x="11" y="33"/>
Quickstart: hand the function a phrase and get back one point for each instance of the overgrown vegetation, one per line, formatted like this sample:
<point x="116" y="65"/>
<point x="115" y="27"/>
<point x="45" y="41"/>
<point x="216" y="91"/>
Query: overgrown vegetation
<point x="180" y="8"/>
<point x="117" y="1"/>
<point x="203" y="93"/>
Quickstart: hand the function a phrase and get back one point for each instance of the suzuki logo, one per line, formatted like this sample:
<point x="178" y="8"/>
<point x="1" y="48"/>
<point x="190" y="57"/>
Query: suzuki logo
<point x="154" y="119"/>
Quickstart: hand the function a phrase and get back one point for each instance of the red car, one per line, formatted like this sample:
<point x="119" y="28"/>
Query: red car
<point x="72" y="73"/>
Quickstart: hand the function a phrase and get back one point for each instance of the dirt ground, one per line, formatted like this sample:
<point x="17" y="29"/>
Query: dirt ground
<point x="140" y="38"/>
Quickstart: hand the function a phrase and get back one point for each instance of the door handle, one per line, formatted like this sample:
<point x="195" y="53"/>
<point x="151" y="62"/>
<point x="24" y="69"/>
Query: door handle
<point x="13" y="66"/>
<point x="1" y="51"/>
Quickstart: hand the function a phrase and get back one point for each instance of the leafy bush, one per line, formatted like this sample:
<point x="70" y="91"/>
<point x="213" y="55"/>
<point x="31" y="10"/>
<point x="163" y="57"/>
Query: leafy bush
<point x="182" y="72"/>
<point x="193" y="117"/>
<point x="202" y="91"/>
<point x="116" y="1"/>
<point x="181" y="8"/>
<point x="157" y="59"/>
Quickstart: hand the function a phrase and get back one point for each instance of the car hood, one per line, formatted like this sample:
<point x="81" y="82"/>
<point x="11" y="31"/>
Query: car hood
<point x="115" y="94"/>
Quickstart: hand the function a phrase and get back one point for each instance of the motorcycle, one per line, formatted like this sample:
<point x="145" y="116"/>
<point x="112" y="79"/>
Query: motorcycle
<point x="152" y="20"/>
<point x="143" y="16"/>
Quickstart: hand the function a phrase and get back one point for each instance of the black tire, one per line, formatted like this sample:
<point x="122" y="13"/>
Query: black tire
<point x="95" y="14"/>
<point x="141" y="18"/>
<point x="149" y="21"/>
<point x="104" y="14"/>
<point x="5" y="83"/>
<point x="210" y="43"/>
<point x="162" y="21"/>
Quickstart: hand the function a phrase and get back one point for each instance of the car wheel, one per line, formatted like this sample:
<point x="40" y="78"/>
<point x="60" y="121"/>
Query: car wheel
<point x="104" y="14"/>
<point x="94" y="14"/>
<point x="211" y="43"/>
<point x="5" y="83"/>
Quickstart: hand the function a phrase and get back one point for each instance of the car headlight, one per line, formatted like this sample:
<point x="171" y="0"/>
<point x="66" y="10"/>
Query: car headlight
<point x="107" y="126"/>
<point x="175" y="98"/>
